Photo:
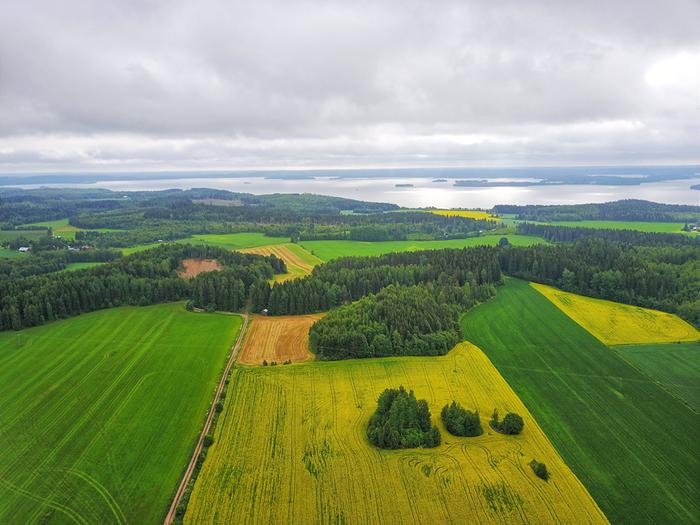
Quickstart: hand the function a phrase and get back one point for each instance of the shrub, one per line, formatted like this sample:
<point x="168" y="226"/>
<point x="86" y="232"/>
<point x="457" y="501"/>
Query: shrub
<point x="512" y="423"/>
<point x="208" y="440"/>
<point x="540" y="469"/>
<point x="219" y="407"/>
<point x="461" y="422"/>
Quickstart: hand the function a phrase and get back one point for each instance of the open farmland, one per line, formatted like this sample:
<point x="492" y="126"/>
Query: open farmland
<point x="227" y="241"/>
<point x="291" y="448"/>
<point x="327" y="250"/>
<point x="470" y="214"/>
<point x="32" y="235"/>
<point x="6" y="252"/>
<point x="299" y="262"/>
<point x="675" y="366"/>
<point x="99" y="413"/>
<point x="634" y="445"/>
<point x="278" y="339"/>
<point x="617" y="323"/>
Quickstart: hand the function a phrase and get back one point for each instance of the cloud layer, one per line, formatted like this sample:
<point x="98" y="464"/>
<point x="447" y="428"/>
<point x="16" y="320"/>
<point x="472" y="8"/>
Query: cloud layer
<point x="223" y="84"/>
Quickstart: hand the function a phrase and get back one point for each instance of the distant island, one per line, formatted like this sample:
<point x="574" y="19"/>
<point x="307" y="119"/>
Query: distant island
<point x="439" y="180"/>
<point x="498" y="184"/>
<point x="403" y="185"/>
<point x="695" y="187"/>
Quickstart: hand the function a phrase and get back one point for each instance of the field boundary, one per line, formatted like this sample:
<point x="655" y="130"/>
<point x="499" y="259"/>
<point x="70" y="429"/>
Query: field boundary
<point x="170" y="516"/>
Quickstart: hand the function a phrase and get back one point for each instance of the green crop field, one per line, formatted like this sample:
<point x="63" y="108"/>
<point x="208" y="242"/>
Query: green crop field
<point x="228" y="241"/>
<point x="32" y="235"/>
<point x="99" y="414"/>
<point x="6" y="252"/>
<point x="71" y="267"/>
<point x="327" y="250"/>
<point x="675" y="366"/>
<point x="643" y="226"/>
<point x="634" y="445"/>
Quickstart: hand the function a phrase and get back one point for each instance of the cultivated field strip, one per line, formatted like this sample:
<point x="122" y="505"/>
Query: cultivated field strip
<point x="299" y="262"/>
<point x="278" y="339"/>
<point x="291" y="448"/>
<point x="620" y="324"/>
<point x="635" y="446"/>
<point x="99" y="413"/>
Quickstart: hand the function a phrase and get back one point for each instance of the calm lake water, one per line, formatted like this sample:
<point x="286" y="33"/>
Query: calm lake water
<point x="423" y="192"/>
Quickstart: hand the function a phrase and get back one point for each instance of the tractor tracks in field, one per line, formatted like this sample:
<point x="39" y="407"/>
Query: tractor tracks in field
<point x="235" y="349"/>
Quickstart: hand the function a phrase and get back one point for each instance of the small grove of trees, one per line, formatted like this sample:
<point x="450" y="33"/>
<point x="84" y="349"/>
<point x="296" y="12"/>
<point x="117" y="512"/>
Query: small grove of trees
<point x="402" y="421"/>
<point x="511" y="424"/>
<point x="540" y="469"/>
<point x="461" y="422"/>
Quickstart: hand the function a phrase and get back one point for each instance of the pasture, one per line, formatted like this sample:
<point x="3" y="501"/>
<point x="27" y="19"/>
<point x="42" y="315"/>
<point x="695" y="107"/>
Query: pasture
<point x="100" y="413"/>
<point x="227" y="241"/>
<point x="675" y="366"/>
<point x="278" y="339"/>
<point x="327" y="250"/>
<point x="71" y="267"/>
<point x="32" y="235"/>
<point x="299" y="262"/>
<point x="617" y="323"/>
<point x="634" y="445"/>
<point x="291" y="447"/>
<point x="59" y="228"/>
<point x="6" y="252"/>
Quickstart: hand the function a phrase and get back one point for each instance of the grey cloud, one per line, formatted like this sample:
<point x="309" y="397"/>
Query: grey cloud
<point x="265" y="83"/>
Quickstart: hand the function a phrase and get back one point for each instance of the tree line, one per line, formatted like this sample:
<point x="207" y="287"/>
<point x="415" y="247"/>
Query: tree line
<point x="143" y="278"/>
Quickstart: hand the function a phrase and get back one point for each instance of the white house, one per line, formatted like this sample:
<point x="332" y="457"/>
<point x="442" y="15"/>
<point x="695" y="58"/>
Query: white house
<point x="24" y="248"/>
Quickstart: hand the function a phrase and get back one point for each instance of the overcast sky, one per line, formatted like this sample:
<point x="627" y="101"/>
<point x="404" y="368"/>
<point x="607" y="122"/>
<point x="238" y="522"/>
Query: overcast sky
<point x="151" y="84"/>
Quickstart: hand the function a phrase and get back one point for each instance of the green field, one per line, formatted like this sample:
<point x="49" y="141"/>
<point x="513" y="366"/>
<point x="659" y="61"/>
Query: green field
<point x="642" y="226"/>
<point x="6" y="252"/>
<point x="228" y="241"/>
<point x="675" y="366"/>
<point x="634" y="445"/>
<point x="327" y="250"/>
<point x="32" y="235"/>
<point x="100" y="413"/>
<point x="71" y="267"/>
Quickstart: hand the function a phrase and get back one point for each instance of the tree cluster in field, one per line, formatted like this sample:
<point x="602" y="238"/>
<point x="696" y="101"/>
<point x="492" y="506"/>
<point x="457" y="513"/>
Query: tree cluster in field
<point x="351" y="278"/>
<point x="399" y="320"/>
<point x="638" y="238"/>
<point x="511" y="424"/>
<point x="461" y="422"/>
<point x="540" y="469"/>
<point x="402" y="421"/>
<point x="144" y="278"/>
<point x="660" y="277"/>
<point x="623" y="210"/>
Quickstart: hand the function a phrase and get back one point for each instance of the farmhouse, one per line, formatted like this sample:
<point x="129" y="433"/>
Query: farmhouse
<point x="23" y="249"/>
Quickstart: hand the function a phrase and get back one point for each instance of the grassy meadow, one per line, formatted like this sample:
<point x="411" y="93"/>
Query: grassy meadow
<point x="620" y="324"/>
<point x="6" y="252"/>
<point x="327" y="250"/>
<point x="675" y="366"/>
<point x="634" y="445"/>
<point x="290" y="447"/>
<point x="100" y="413"/>
<point x="32" y="235"/>
<point x="299" y="262"/>
<point x="227" y="241"/>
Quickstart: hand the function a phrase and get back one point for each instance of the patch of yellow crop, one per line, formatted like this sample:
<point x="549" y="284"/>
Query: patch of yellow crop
<point x="299" y="262"/>
<point x="470" y="214"/>
<point x="290" y="447"/>
<point x="618" y="323"/>
<point x="277" y="339"/>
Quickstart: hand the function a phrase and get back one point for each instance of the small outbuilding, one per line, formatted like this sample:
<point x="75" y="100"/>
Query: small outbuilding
<point x="23" y="249"/>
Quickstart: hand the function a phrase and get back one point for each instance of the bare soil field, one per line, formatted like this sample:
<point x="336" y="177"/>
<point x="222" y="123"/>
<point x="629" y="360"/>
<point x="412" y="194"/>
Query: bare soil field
<point x="278" y="339"/>
<point x="193" y="267"/>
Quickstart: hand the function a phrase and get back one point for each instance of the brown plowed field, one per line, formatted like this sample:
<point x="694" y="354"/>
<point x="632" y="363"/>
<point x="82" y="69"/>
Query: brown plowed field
<point x="278" y="339"/>
<point x="193" y="267"/>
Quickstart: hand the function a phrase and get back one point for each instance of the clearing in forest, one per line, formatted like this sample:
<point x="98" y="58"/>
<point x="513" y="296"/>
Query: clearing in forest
<point x="299" y="262"/>
<point x="633" y="445"/>
<point x="292" y="448"/>
<point x="193" y="267"/>
<point x="278" y="339"/>
<point x="99" y="413"/>
<point x="618" y="323"/>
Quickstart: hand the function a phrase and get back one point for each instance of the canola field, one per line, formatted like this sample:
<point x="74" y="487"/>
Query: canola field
<point x="99" y="413"/>
<point x="620" y="324"/>
<point x="299" y="262"/>
<point x="470" y="214"/>
<point x="290" y="447"/>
